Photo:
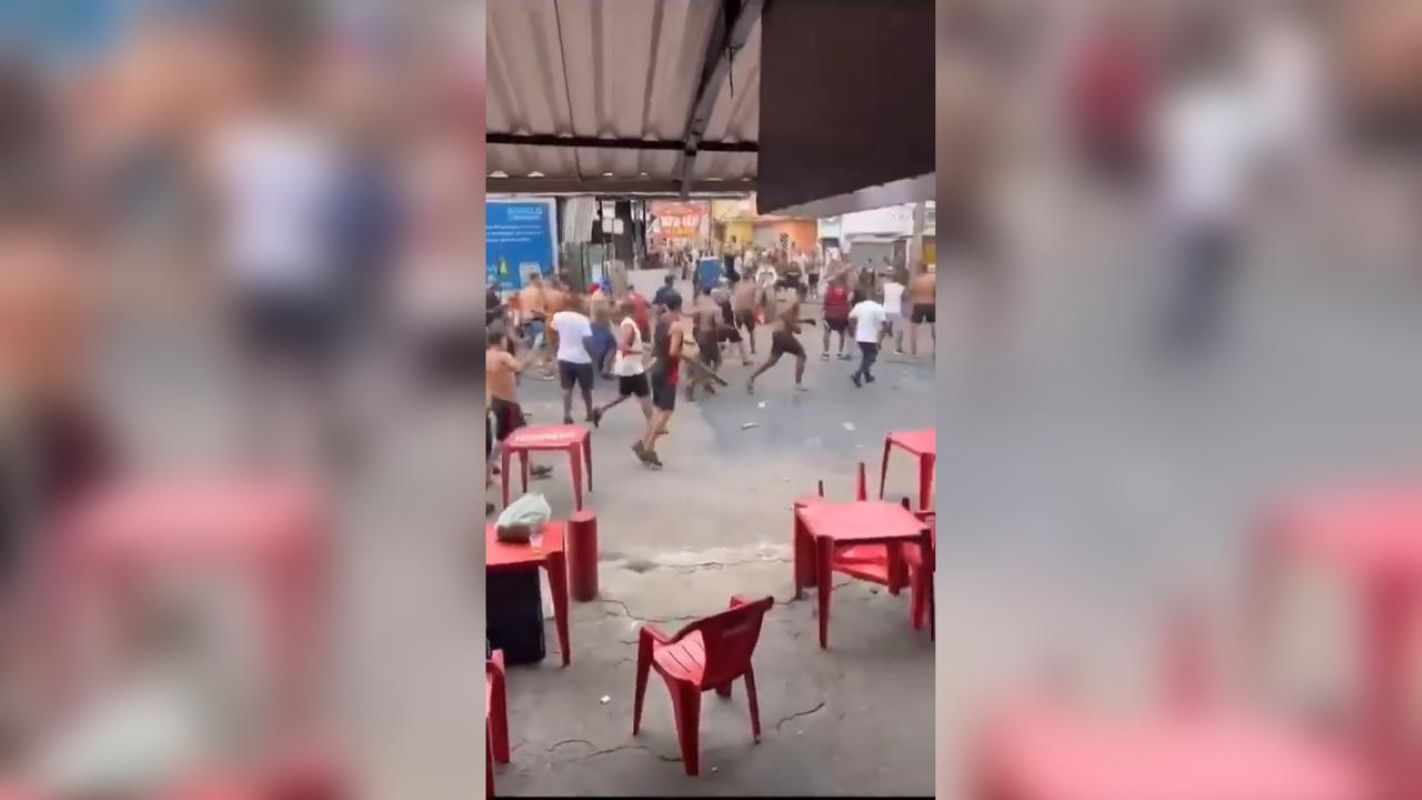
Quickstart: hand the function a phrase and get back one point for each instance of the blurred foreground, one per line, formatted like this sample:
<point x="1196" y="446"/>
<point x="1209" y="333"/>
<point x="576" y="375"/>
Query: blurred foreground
<point x="1184" y="556"/>
<point x="239" y="329"/>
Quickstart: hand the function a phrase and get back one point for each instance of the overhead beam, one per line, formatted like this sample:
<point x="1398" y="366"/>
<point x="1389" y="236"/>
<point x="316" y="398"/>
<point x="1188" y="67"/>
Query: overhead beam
<point x="661" y="187"/>
<point x="731" y="32"/>
<point x="597" y="142"/>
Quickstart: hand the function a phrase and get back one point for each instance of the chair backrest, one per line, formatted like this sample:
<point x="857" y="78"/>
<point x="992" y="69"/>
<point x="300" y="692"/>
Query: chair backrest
<point x="730" y="638"/>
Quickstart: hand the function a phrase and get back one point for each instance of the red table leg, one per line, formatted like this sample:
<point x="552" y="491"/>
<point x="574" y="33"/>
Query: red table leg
<point x="884" y="466"/>
<point x="504" y="463"/>
<point x="576" y="465"/>
<point x="929" y="571"/>
<point x="558" y="586"/>
<point x="1389" y="607"/>
<point x="804" y="555"/>
<point x="898" y="568"/>
<point x="587" y="460"/>
<point x="925" y="480"/>
<point x="824" y="553"/>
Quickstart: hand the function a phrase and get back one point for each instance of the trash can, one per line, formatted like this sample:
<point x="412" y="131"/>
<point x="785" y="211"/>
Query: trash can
<point x="513" y="615"/>
<point x="582" y="556"/>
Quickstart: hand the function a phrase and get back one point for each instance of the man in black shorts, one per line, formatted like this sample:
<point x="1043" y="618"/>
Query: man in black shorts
<point x="501" y="370"/>
<point x="922" y="292"/>
<point x="782" y="341"/>
<point x="666" y="349"/>
<point x="628" y="366"/>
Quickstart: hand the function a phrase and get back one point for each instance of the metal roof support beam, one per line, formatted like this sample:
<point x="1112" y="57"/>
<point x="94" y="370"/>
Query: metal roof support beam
<point x="554" y="140"/>
<point x="617" y="187"/>
<point x="732" y="31"/>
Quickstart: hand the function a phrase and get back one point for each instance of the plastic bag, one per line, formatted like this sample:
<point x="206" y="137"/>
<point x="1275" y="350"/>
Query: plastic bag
<point x="522" y="517"/>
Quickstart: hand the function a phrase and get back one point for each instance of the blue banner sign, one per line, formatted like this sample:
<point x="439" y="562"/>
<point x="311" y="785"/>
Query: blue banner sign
<point x="519" y="239"/>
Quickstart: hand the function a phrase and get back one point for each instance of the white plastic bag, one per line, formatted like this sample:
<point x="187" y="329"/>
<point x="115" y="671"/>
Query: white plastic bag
<point x="524" y="516"/>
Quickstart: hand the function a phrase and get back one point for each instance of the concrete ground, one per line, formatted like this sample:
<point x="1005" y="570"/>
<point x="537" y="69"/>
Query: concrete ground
<point x="677" y="543"/>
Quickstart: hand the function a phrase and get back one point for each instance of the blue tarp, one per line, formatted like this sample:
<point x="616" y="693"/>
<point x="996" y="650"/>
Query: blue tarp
<point x="708" y="272"/>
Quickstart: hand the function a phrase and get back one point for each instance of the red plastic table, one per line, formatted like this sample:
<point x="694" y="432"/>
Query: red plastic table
<point x="923" y="445"/>
<point x="1374" y="537"/>
<point x="1049" y="752"/>
<point x="273" y="532"/>
<point x="822" y="528"/>
<point x="512" y="556"/>
<point x="571" y="439"/>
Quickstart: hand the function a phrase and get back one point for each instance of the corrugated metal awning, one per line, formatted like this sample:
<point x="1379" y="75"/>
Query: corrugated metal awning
<point x="611" y="95"/>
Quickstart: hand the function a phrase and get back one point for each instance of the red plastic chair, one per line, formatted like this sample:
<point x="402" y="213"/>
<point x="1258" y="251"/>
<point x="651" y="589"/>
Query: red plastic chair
<point x="710" y="653"/>
<point x="496" y="719"/>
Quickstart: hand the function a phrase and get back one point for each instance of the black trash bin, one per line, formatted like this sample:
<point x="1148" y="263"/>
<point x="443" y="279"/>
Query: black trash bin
<point x="514" y="615"/>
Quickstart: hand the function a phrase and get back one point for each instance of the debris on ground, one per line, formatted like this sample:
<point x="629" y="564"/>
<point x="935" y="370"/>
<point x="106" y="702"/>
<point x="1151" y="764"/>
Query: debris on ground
<point x="748" y="425"/>
<point x="849" y="426"/>
<point x="606" y="699"/>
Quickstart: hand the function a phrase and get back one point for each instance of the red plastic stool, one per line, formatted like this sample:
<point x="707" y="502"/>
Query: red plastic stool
<point x="581" y="545"/>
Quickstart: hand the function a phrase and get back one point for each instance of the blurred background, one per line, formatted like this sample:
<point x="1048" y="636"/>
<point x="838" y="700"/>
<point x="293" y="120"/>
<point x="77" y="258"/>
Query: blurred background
<point x="1182" y="295"/>
<point x="240" y="319"/>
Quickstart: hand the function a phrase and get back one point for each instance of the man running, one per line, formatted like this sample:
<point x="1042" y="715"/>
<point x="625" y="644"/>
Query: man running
<point x="629" y="365"/>
<point x="575" y="363"/>
<point x="922" y="291"/>
<point x="662" y="299"/>
<point x="783" y="340"/>
<point x="727" y="331"/>
<point x="533" y="303"/>
<point x="667" y="341"/>
<point x="743" y="306"/>
<point x="705" y="326"/>
<point x="836" y="314"/>
<point x="894" y="289"/>
<point x="501" y="370"/>
<point x="868" y="318"/>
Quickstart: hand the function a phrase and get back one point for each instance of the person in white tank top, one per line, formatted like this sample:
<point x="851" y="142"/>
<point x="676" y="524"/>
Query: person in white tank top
<point x="630" y="366"/>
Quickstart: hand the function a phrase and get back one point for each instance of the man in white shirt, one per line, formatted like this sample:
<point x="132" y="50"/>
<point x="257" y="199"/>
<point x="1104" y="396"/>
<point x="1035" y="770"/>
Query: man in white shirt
<point x="1208" y="141"/>
<point x="575" y="363"/>
<point x="894" y="310"/>
<point x="630" y="366"/>
<point x="271" y="174"/>
<point x="868" y="318"/>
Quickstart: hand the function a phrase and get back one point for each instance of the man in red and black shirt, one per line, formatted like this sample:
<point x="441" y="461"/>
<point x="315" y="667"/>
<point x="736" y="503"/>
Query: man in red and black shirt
<point x="836" y="316"/>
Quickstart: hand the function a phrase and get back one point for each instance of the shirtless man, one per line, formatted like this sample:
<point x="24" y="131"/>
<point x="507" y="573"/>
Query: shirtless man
<point x="501" y="370"/>
<point x="743" y="307"/>
<point x="555" y="299"/>
<point x="783" y="340"/>
<point x="727" y="332"/>
<point x="533" y="302"/>
<point x="705" y="328"/>
<point x="922" y="292"/>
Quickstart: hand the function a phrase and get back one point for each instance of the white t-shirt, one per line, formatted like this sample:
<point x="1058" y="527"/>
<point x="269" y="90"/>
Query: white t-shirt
<point x="893" y="298"/>
<point x="1208" y="141"/>
<point x="572" y="328"/>
<point x="631" y="364"/>
<point x="868" y="319"/>
<point x="277" y="178"/>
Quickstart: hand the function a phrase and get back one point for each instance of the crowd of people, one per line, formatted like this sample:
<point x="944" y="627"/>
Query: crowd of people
<point x="650" y="349"/>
